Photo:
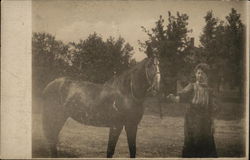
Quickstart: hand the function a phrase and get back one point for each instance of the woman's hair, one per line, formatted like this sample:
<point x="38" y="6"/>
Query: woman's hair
<point x="204" y="67"/>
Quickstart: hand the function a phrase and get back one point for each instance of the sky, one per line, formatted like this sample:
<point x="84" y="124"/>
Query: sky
<point x="72" y="20"/>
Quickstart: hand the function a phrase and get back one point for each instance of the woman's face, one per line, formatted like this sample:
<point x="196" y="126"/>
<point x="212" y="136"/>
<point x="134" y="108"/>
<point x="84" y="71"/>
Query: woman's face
<point x="201" y="76"/>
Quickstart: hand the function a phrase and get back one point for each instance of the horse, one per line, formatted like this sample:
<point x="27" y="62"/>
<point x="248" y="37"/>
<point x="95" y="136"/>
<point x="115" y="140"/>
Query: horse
<point x="116" y="104"/>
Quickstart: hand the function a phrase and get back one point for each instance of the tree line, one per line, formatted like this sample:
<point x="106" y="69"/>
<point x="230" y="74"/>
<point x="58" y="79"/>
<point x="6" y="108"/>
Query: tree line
<point x="97" y="60"/>
<point x="222" y="45"/>
<point x="93" y="59"/>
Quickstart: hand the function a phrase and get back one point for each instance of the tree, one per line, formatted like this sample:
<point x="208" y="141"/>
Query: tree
<point x="92" y="59"/>
<point x="235" y="38"/>
<point x="97" y="61"/>
<point x="212" y="51"/>
<point x="169" y="43"/>
<point x="208" y="38"/>
<point x="49" y="59"/>
<point x="223" y="48"/>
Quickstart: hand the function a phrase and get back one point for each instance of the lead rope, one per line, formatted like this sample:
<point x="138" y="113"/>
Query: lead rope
<point x="150" y="86"/>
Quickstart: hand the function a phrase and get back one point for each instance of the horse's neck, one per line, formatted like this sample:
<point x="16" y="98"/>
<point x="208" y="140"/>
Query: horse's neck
<point x="133" y="81"/>
<point x="138" y="85"/>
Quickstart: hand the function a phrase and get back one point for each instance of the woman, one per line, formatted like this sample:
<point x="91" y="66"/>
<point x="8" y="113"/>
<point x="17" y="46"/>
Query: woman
<point x="198" y="127"/>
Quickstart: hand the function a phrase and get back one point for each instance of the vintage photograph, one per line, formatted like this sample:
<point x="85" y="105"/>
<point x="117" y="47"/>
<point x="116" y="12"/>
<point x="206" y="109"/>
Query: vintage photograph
<point x="138" y="79"/>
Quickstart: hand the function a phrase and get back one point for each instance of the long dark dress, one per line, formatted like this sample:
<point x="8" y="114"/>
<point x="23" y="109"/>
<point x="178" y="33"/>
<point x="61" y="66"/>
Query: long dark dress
<point x="198" y="127"/>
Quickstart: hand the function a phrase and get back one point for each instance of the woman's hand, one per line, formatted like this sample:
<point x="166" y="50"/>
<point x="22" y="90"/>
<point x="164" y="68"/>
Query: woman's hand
<point x="170" y="96"/>
<point x="173" y="98"/>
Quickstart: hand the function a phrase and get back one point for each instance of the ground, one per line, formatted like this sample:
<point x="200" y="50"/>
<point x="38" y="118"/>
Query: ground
<point x="157" y="137"/>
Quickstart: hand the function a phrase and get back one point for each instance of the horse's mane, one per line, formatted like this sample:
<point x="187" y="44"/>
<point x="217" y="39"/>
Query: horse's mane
<point x="123" y="75"/>
<point x="122" y="81"/>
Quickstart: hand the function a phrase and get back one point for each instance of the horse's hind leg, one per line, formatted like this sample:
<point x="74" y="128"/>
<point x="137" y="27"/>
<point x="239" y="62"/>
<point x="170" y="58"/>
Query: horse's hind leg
<point x="114" y="134"/>
<point x="53" y="121"/>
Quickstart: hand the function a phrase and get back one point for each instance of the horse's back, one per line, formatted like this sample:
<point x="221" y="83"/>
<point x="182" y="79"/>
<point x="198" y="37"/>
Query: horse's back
<point x="65" y="87"/>
<point x="86" y="102"/>
<point x="54" y="86"/>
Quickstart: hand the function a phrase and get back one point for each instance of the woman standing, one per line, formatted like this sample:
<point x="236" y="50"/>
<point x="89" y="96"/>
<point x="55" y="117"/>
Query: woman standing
<point x="198" y="127"/>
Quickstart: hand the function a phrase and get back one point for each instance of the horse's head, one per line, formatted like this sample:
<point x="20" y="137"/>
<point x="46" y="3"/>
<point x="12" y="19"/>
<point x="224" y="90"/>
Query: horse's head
<point x="153" y="75"/>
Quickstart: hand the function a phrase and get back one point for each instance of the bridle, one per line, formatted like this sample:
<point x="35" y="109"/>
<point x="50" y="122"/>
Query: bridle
<point x="151" y="82"/>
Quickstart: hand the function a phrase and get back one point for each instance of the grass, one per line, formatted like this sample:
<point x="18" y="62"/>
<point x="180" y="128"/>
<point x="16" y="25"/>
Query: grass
<point x="156" y="137"/>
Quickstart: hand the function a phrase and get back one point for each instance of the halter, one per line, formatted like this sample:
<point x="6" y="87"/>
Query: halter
<point x="150" y="82"/>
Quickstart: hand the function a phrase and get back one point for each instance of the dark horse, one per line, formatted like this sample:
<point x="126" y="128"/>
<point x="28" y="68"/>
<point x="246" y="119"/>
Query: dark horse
<point x="116" y="104"/>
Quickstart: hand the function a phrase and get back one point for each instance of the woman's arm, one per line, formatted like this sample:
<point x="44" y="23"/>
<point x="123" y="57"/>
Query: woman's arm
<point x="183" y="95"/>
<point x="186" y="94"/>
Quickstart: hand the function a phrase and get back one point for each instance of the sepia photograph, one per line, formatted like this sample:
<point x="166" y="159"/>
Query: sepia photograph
<point x="139" y="79"/>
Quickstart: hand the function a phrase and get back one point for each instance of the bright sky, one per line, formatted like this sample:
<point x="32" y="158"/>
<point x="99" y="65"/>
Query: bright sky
<point x="72" y="20"/>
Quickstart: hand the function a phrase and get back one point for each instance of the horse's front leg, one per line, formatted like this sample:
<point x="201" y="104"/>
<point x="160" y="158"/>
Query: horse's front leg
<point x="131" y="131"/>
<point x="114" y="134"/>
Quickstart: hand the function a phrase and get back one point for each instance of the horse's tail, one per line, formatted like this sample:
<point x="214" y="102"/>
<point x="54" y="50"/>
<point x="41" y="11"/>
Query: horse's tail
<point x="53" y="87"/>
<point x="54" y="115"/>
<point x="53" y="97"/>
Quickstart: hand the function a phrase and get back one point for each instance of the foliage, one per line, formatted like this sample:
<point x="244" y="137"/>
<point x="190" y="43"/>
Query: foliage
<point x="92" y="59"/>
<point x="97" y="61"/>
<point x="49" y="59"/>
<point x="169" y="43"/>
<point x="235" y="47"/>
<point x="223" y="48"/>
<point x="211" y="45"/>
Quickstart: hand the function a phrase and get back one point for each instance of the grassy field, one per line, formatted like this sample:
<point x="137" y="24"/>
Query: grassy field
<point x="156" y="137"/>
